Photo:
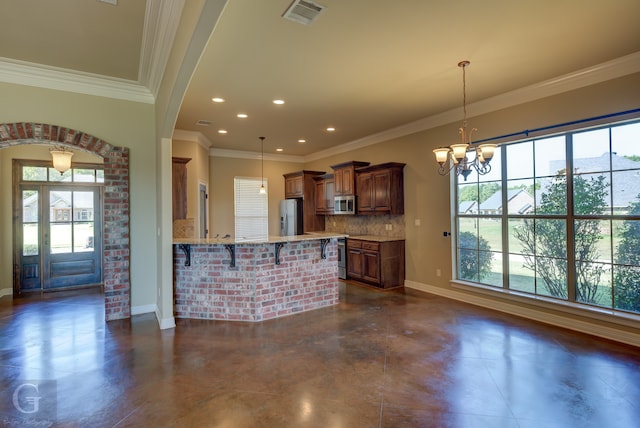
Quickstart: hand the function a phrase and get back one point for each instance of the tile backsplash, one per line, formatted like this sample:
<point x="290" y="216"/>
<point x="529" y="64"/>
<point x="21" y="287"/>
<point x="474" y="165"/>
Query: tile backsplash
<point x="391" y="226"/>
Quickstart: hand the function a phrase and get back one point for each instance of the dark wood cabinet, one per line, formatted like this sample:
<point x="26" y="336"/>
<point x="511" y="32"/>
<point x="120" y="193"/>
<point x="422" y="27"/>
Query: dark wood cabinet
<point x="377" y="263"/>
<point x="301" y="185"/>
<point x="380" y="189"/>
<point x="179" y="187"/>
<point x="324" y="194"/>
<point x="344" y="177"/>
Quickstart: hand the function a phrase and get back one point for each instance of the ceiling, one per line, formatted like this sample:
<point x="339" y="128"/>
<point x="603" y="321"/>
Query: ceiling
<point x="363" y="66"/>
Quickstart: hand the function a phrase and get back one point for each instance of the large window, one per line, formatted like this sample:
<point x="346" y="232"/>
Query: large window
<point x="251" y="209"/>
<point x="557" y="216"/>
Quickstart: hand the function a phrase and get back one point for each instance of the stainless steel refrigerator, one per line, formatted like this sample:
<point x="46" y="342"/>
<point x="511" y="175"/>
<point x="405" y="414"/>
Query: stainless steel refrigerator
<point x="291" y="217"/>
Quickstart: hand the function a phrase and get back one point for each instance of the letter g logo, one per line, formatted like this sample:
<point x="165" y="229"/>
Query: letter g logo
<point x="32" y="401"/>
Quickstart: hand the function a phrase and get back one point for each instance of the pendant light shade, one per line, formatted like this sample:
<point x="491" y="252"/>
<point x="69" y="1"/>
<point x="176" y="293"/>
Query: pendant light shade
<point x="263" y="190"/>
<point x="61" y="159"/>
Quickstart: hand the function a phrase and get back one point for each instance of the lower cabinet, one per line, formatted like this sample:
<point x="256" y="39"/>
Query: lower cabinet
<point x="377" y="263"/>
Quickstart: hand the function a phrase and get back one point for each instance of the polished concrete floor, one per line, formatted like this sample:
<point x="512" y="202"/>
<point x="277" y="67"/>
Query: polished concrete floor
<point x="375" y="360"/>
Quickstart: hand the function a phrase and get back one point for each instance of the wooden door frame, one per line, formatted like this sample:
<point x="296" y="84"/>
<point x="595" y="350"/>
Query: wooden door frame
<point x="116" y="206"/>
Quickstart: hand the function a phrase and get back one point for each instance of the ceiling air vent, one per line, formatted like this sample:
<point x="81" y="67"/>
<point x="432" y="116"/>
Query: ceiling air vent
<point x="203" y="122"/>
<point x="303" y="11"/>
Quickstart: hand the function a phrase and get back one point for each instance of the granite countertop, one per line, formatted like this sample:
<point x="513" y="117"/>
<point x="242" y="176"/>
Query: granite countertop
<point x="374" y="238"/>
<point x="271" y="240"/>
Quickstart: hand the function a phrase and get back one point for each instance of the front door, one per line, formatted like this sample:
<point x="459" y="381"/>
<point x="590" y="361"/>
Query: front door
<point x="58" y="238"/>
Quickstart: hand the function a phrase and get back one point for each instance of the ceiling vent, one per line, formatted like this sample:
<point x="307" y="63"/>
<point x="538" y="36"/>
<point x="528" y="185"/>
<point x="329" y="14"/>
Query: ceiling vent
<point x="303" y="11"/>
<point x="202" y="122"/>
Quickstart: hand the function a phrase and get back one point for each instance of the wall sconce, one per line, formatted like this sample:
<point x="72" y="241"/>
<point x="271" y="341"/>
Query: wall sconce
<point x="61" y="159"/>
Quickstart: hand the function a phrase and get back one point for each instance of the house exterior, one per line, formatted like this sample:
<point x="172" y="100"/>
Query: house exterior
<point x="145" y="130"/>
<point x="519" y="202"/>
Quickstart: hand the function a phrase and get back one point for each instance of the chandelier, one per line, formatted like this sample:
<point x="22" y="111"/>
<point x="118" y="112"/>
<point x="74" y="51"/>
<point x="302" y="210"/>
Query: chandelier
<point x="481" y="153"/>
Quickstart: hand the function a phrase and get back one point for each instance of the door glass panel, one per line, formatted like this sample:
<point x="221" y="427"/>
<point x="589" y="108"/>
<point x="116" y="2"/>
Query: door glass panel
<point x="30" y="226"/>
<point x="60" y="238"/>
<point x="30" y="239"/>
<point x="83" y="236"/>
<point x="100" y="176"/>
<point x="60" y="205"/>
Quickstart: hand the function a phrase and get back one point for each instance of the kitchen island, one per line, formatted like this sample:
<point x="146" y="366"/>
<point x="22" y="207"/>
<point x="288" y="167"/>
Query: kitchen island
<point x="241" y="280"/>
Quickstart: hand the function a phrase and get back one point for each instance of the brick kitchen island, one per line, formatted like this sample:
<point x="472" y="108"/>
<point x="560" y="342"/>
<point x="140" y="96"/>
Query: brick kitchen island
<point x="223" y="279"/>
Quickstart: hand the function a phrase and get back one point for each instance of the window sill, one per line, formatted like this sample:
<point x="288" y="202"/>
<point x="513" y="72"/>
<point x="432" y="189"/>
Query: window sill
<point x="574" y="309"/>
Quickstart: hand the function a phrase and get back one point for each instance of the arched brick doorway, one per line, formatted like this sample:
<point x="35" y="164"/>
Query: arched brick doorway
<point x="117" y="287"/>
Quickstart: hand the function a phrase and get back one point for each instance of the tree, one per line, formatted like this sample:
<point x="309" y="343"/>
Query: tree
<point x="626" y="291"/>
<point x="474" y="264"/>
<point x="544" y="242"/>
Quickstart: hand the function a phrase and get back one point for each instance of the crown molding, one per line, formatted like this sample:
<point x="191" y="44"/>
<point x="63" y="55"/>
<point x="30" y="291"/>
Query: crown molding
<point x="38" y="75"/>
<point x="609" y="70"/>
<point x="239" y="154"/>
<point x="191" y="136"/>
<point x="162" y="18"/>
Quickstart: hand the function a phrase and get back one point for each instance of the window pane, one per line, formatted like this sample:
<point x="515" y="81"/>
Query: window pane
<point x="521" y="277"/>
<point x="251" y="209"/>
<point x="591" y="194"/>
<point x="551" y="277"/>
<point x="468" y="229"/>
<point x="34" y="173"/>
<point x="30" y="239"/>
<point x="551" y="156"/>
<point x="59" y="206"/>
<point x="626" y="288"/>
<point x="490" y="195"/>
<point x="84" y="175"/>
<point x="83" y="236"/>
<point x="54" y="175"/>
<point x="492" y="275"/>
<point x="551" y="238"/>
<point x="593" y="283"/>
<point x="30" y="206"/>
<point x="467" y="198"/>
<point x="521" y="236"/>
<point x="592" y="240"/>
<point x="551" y="198"/>
<point x="625" y="190"/>
<point x="490" y="232"/>
<point x="625" y="147"/>
<point x="82" y="206"/>
<point x="591" y="151"/>
<point x="520" y="196"/>
<point x="100" y="176"/>
<point x="496" y="168"/>
<point x="520" y="160"/>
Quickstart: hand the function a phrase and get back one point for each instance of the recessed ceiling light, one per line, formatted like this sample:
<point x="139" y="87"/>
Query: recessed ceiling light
<point x="279" y="102"/>
<point x="217" y="100"/>
<point x="279" y="149"/>
<point x="222" y="131"/>
<point x="331" y="129"/>
<point x="242" y="115"/>
<point x="302" y="141"/>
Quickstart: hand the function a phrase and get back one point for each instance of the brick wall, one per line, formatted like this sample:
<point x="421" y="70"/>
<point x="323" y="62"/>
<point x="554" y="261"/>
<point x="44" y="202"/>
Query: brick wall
<point x="256" y="289"/>
<point x="116" y="202"/>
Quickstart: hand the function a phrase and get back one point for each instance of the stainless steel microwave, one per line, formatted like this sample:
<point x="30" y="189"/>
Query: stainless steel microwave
<point x="344" y="204"/>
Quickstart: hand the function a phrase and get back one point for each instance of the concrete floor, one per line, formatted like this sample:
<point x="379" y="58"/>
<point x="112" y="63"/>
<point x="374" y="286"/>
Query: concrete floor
<point x="378" y="359"/>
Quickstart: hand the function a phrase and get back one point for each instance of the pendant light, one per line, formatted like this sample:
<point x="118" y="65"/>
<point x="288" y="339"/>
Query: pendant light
<point x="61" y="159"/>
<point x="263" y="190"/>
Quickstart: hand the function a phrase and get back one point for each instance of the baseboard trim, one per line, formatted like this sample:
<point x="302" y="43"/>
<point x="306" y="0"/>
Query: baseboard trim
<point x="143" y="309"/>
<point x="165" y="323"/>
<point x="6" y="292"/>
<point x="557" y="318"/>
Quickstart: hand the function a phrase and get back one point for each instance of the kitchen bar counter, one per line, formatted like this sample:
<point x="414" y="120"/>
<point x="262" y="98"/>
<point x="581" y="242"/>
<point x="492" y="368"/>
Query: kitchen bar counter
<point x="242" y="280"/>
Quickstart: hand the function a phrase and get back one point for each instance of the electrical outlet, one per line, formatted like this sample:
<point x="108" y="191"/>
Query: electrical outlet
<point x="438" y="272"/>
<point x="417" y="222"/>
<point x="387" y="226"/>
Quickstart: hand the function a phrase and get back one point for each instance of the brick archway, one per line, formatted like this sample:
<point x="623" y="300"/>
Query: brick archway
<point x="116" y="245"/>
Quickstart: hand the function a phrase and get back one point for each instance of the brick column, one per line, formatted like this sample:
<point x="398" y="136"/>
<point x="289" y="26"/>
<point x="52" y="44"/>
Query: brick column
<point x="117" y="294"/>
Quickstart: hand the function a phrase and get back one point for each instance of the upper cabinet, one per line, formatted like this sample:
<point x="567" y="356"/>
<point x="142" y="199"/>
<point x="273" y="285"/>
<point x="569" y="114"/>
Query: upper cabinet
<point x="324" y="194"/>
<point x="344" y="177"/>
<point x="380" y="189"/>
<point x="301" y="184"/>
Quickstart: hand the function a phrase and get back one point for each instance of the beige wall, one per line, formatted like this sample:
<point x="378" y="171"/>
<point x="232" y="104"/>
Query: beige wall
<point x="120" y="123"/>
<point x="222" y="172"/>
